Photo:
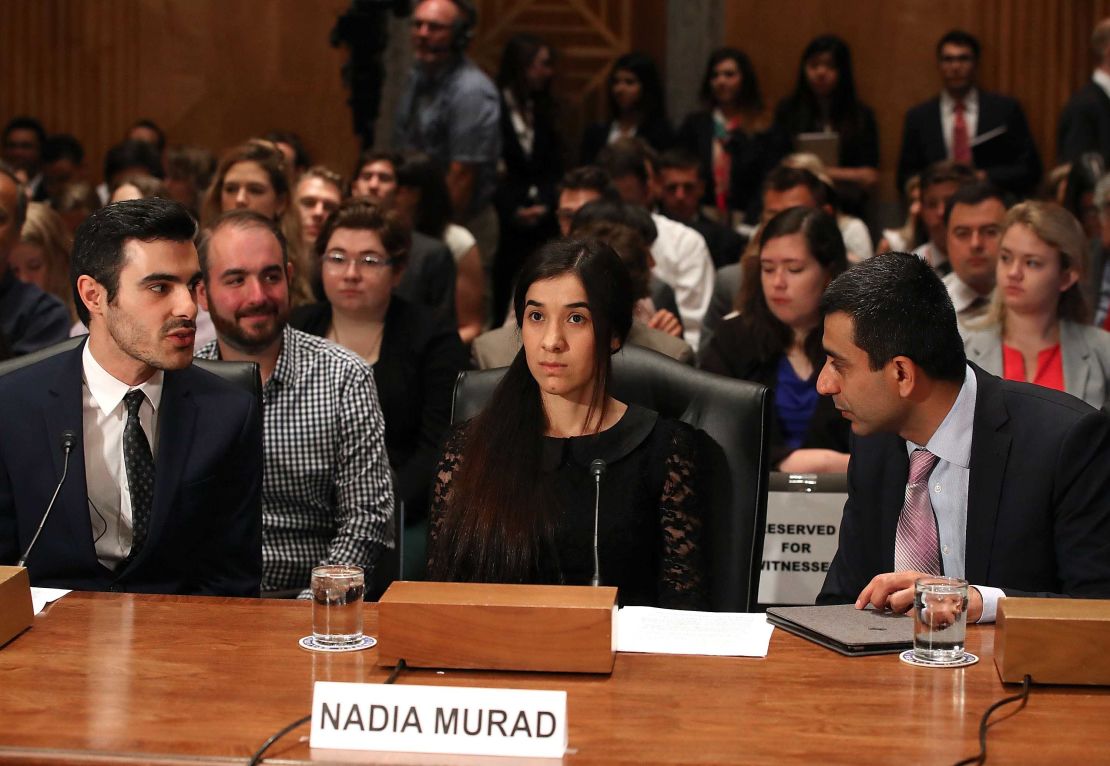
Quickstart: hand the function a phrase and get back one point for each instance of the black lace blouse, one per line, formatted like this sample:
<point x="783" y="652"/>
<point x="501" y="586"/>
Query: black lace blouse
<point x="650" y="510"/>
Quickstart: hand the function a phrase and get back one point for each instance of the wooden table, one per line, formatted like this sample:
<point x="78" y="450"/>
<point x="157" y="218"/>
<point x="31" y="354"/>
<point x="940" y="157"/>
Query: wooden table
<point x="107" y="678"/>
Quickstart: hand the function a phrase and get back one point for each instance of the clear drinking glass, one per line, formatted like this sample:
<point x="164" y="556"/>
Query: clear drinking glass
<point x="940" y="619"/>
<point x="337" y="592"/>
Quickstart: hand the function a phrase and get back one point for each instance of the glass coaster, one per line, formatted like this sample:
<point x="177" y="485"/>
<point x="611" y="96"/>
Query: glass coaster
<point x="908" y="658"/>
<point x="310" y="643"/>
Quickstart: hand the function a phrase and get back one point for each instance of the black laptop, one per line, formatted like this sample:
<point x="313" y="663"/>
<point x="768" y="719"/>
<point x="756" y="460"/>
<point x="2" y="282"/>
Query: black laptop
<point x="845" y="629"/>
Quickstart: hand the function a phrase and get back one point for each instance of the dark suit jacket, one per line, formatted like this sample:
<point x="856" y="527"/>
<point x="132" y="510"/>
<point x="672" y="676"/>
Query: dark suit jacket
<point x="1038" y="500"/>
<point x="659" y="134"/>
<point x="420" y="359"/>
<point x="1084" y="125"/>
<point x="429" y="276"/>
<point x="205" y="533"/>
<point x="1010" y="157"/>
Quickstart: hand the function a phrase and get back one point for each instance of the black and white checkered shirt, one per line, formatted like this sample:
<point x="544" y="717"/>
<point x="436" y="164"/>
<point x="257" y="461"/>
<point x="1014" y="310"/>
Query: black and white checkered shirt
<point x="327" y="495"/>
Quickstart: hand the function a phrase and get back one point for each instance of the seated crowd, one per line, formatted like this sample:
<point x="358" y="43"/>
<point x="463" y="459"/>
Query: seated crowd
<point x="728" y="244"/>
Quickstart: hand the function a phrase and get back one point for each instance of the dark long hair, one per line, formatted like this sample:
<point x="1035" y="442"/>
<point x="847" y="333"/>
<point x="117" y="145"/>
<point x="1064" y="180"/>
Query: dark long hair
<point x="425" y="173"/>
<point x="652" y="102"/>
<point x="519" y="53"/>
<point x="770" y="335"/>
<point x="499" y="521"/>
<point x="748" y="99"/>
<point x="800" y="111"/>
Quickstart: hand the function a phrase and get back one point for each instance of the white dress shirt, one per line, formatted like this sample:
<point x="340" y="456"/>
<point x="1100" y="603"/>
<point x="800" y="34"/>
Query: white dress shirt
<point x="1102" y="80"/>
<point x="931" y="254"/>
<point x="948" y="117"/>
<point x="682" y="260"/>
<point x="103" y="417"/>
<point x="964" y="300"/>
<point x="948" y="484"/>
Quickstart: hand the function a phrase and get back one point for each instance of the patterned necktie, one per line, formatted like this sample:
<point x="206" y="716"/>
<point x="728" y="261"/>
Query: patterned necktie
<point x="139" y="463"/>
<point x="961" y="145"/>
<point x="916" y="546"/>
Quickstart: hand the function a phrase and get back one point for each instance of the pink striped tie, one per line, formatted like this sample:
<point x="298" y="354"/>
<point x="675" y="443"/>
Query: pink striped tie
<point x="916" y="546"/>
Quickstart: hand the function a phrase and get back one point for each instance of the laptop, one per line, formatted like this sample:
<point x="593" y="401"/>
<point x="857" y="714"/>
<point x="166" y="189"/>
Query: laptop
<point x="845" y="629"/>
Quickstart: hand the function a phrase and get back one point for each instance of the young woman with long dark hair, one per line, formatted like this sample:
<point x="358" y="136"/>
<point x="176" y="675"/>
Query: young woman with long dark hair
<point x="637" y="108"/>
<point x="514" y="497"/>
<point x="776" y="339"/>
<point x="825" y="100"/>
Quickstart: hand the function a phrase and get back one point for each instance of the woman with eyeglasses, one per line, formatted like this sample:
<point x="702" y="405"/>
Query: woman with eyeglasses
<point x="416" y="355"/>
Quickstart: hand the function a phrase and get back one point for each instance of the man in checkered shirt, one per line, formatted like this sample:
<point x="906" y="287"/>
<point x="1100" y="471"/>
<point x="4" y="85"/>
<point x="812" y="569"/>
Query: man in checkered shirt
<point x="327" y="496"/>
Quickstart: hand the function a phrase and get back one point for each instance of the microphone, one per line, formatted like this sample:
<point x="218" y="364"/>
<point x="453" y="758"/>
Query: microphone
<point x="69" y="438"/>
<point x="597" y="467"/>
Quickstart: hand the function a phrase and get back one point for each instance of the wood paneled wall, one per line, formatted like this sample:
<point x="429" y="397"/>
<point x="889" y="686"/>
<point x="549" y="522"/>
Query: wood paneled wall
<point x="213" y="72"/>
<point x="1035" y="50"/>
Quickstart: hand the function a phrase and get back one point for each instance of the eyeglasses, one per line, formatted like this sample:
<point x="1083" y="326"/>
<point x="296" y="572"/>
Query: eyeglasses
<point x="338" y="261"/>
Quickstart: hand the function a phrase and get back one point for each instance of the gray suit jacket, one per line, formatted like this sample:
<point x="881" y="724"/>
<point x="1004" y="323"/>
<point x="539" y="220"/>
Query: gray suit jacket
<point x="1085" y="351"/>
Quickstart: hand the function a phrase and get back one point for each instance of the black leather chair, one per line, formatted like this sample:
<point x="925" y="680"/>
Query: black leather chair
<point x="732" y="419"/>
<point x="243" y="374"/>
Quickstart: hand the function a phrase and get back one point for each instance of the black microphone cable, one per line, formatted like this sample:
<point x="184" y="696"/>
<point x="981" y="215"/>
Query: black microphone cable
<point x="257" y="757"/>
<point x="1023" y="696"/>
<point x="69" y="438"/>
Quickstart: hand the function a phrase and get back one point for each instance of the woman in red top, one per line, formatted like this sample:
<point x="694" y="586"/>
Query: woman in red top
<point x="1038" y="329"/>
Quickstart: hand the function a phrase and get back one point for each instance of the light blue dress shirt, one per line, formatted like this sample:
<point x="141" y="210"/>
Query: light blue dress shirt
<point x="948" y="484"/>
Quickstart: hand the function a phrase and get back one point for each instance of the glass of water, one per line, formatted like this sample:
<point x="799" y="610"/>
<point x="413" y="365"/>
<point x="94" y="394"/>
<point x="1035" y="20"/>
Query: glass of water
<point x="940" y="619"/>
<point x="337" y="592"/>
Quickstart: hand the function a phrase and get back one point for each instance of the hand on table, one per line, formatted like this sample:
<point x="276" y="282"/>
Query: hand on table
<point x="894" y="591"/>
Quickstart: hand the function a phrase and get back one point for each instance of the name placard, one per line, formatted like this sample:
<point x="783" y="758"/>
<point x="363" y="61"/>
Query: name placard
<point x="438" y="719"/>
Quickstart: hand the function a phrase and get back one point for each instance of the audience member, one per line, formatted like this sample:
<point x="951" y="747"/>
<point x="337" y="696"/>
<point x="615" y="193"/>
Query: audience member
<point x="326" y="491"/>
<point x="63" y="162"/>
<point x="164" y="482"/>
<point x="21" y="147"/>
<point x="637" y="108"/>
<point x="30" y="319"/>
<point x="824" y="102"/>
<point x="416" y="355"/>
<point x="1098" y="283"/>
<point x="1085" y="121"/>
<point x="429" y="277"/>
<point x="423" y="204"/>
<point x="579" y="186"/>
<point x="735" y="154"/>
<point x="451" y="110"/>
<point x="254" y="176"/>
<point x="75" y="203"/>
<point x="514" y="499"/>
<point x="681" y="187"/>
<point x="531" y="155"/>
<point x="148" y="131"/>
<point x="857" y="237"/>
<point x="292" y="148"/>
<point x="130" y="158"/>
<point x="317" y="195"/>
<point x="969" y="126"/>
<point x="776" y="339"/>
<point x="938" y="183"/>
<point x="1039" y="327"/>
<point x="42" y="255"/>
<point x="681" y="256"/>
<point x="139" y="187"/>
<point x="189" y="171"/>
<point x="974" y="216"/>
<point x="1079" y="191"/>
<point x="910" y="235"/>
<point x="1007" y="483"/>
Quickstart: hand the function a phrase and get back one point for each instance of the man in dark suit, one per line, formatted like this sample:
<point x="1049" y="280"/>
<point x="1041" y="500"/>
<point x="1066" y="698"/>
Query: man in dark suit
<point x="967" y="125"/>
<point x="164" y="479"/>
<point x="1085" y="121"/>
<point x="954" y="471"/>
<point x="681" y="187"/>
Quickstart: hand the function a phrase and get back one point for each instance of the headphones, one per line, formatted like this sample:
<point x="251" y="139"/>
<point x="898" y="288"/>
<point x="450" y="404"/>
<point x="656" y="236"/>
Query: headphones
<point x="464" y="26"/>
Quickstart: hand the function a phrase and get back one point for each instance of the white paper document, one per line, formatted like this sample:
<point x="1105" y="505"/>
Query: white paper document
<point x="40" y="597"/>
<point x="674" y="631"/>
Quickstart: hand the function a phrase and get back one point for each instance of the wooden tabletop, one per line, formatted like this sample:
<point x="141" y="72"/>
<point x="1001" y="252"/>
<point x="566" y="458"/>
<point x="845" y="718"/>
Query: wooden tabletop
<point x="109" y="678"/>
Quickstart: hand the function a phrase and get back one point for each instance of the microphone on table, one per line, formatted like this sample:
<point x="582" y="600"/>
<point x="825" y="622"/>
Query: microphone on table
<point x="597" y="467"/>
<point x="69" y="438"/>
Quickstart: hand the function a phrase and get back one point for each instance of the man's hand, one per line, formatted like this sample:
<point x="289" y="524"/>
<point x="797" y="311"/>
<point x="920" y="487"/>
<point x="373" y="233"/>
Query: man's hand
<point x="667" y="322"/>
<point x="894" y="591"/>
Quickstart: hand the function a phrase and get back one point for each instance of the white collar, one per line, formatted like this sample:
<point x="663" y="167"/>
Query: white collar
<point x="1101" y="78"/>
<point x="108" y="391"/>
<point x="961" y="293"/>
<point x="971" y="101"/>
<point x="951" y="441"/>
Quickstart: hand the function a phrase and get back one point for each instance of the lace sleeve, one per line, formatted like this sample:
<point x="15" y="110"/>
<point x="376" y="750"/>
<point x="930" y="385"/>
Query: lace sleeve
<point x="682" y="582"/>
<point x="441" y="488"/>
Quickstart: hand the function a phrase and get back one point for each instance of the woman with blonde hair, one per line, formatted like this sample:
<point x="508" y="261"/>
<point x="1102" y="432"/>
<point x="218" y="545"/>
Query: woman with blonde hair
<point x="1038" y="327"/>
<point x="255" y="176"/>
<point x="42" y="255"/>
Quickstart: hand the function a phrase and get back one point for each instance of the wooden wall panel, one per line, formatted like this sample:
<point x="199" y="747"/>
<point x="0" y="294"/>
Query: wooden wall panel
<point x="1035" y="50"/>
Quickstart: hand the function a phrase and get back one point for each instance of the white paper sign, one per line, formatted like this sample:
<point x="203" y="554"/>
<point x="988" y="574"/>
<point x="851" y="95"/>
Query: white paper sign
<point x="675" y="631"/>
<point x="803" y="530"/>
<point x="439" y="719"/>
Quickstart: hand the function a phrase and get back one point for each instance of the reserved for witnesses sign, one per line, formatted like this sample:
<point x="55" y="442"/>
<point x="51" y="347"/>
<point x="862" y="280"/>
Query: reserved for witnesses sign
<point x="438" y="719"/>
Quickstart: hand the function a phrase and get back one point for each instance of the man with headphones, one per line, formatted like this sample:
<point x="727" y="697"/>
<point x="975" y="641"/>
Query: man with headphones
<point x="451" y="111"/>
